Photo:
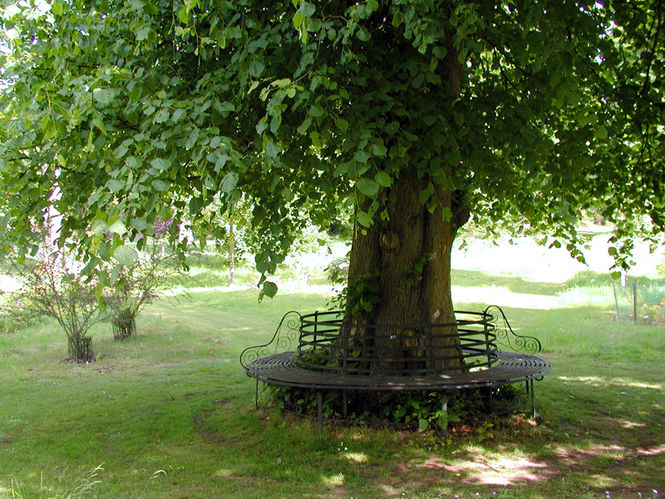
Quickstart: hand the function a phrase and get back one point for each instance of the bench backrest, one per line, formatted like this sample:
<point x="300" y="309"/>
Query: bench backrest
<point x="329" y="344"/>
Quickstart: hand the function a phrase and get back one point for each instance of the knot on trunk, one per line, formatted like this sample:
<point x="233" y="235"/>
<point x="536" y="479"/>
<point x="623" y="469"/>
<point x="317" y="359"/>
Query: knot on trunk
<point x="389" y="241"/>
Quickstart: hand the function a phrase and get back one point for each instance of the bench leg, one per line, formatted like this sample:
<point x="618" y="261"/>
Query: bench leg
<point x="319" y="410"/>
<point x="529" y="385"/>
<point x="345" y="405"/>
<point x="256" y="395"/>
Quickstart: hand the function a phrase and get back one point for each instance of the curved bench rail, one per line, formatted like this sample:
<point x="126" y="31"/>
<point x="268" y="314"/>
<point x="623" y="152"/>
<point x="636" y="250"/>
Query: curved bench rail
<point x="284" y="339"/>
<point x="507" y="337"/>
<point x="328" y="344"/>
<point x="283" y="369"/>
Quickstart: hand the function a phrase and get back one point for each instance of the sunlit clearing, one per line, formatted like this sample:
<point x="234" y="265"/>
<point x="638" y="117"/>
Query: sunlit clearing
<point x="334" y="480"/>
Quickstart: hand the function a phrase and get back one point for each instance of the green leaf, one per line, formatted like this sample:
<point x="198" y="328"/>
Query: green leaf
<point x="159" y="185"/>
<point x="298" y="19"/>
<point x="316" y="111"/>
<point x="269" y="289"/>
<point x="367" y="187"/>
<point x="229" y="182"/>
<point x="302" y="129"/>
<point x="125" y="255"/>
<point x="378" y="150"/>
<point x="261" y="127"/>
<point x="383" y="179"/>
<point x="183" y="15"/>
<point x="225" y="108"/>
<point x="342" y="124"/>
<point x="426" y="193"/>
<point x="160" y="164"/>
<point x="362" y="34"/>
<point x="57" y="8"/>
<point x="364" y="219"/>
<point x="120" y="151"/>
<point x="143" y="33"/>
<point x="256" y="68"/>
<point x="162" y="115"/>
<point x="103" y="95"/>
<point x="115" y="185"/>
<point x="220" y="162"/>
<point x="361" y="156"/>
<point x="118" y="228"/>
<point x="177" y="114"/>
<point x="307" y="9"/>
<point x="601" y="132"/>
<point x="272" y="149"/>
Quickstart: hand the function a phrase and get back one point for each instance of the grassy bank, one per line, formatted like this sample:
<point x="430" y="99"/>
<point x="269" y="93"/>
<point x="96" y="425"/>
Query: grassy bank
<point x="170" y="414"/>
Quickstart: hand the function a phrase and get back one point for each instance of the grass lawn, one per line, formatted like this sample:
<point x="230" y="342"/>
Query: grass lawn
<point x="171" y="414"/>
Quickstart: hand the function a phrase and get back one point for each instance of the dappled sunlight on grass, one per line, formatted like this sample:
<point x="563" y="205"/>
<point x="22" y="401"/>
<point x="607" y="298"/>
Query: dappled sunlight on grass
<point x="356" y="457"/>
<point x="652" y="451"/>
<point x="336" y="480"/>
<point x="624" y="423"/>
<point x="484" y="468"/>
<point x="571" y="456"/>
<point x="605" y="381"/>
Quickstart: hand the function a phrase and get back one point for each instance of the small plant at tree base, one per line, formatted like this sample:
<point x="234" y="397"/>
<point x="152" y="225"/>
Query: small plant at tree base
<point x="416" y="410"/>
<point x="53" y="286"/>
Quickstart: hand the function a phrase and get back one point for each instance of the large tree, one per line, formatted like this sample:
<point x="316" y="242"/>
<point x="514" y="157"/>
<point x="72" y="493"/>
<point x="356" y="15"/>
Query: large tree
<point x="418" y="113"/>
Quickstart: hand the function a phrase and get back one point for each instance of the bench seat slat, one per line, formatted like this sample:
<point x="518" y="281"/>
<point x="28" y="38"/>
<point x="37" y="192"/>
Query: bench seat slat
<point x="281" y="369"/>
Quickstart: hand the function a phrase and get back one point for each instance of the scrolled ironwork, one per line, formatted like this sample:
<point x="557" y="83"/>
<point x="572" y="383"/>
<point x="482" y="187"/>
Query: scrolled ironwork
<point x="285" y="337"/>
<point x="509" y="338"/>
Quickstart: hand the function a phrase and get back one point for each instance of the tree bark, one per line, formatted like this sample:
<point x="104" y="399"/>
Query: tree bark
<point x="408" y="261"/>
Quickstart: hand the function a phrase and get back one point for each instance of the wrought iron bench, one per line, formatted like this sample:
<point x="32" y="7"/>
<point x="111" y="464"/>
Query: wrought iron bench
<point x="313" y="352"/>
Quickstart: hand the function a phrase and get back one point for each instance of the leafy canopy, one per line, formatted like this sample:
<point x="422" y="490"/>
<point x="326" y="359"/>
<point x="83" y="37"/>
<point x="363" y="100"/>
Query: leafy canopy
<point x="138" y="109"/>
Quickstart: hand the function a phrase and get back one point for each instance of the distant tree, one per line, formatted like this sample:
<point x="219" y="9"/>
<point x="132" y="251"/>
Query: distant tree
<point x="53" y="286"/>
<point x="519" y="114"/>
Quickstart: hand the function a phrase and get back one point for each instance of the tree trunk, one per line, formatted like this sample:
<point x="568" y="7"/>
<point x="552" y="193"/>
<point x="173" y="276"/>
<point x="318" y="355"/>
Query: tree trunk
<point x="124" y="325"/>
<point x="399" y="271"/>
<point x="399" y="280"/>
<point x="79" y="349"/>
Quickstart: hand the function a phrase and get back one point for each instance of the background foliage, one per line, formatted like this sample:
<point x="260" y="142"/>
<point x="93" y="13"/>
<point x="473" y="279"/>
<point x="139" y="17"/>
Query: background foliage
<point x="145" y="109"/>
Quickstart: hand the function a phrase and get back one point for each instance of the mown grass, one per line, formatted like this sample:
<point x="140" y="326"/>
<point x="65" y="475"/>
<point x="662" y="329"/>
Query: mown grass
<point x="170" y="413"/>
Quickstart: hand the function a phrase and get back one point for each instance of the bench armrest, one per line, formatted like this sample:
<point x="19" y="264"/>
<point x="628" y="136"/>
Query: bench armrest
<point x="284" y="339"/>
<point x="507" y="337"/>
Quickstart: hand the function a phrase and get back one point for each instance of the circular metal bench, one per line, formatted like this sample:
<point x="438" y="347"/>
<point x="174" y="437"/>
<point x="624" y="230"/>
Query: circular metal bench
<point x="327" y="356"/>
